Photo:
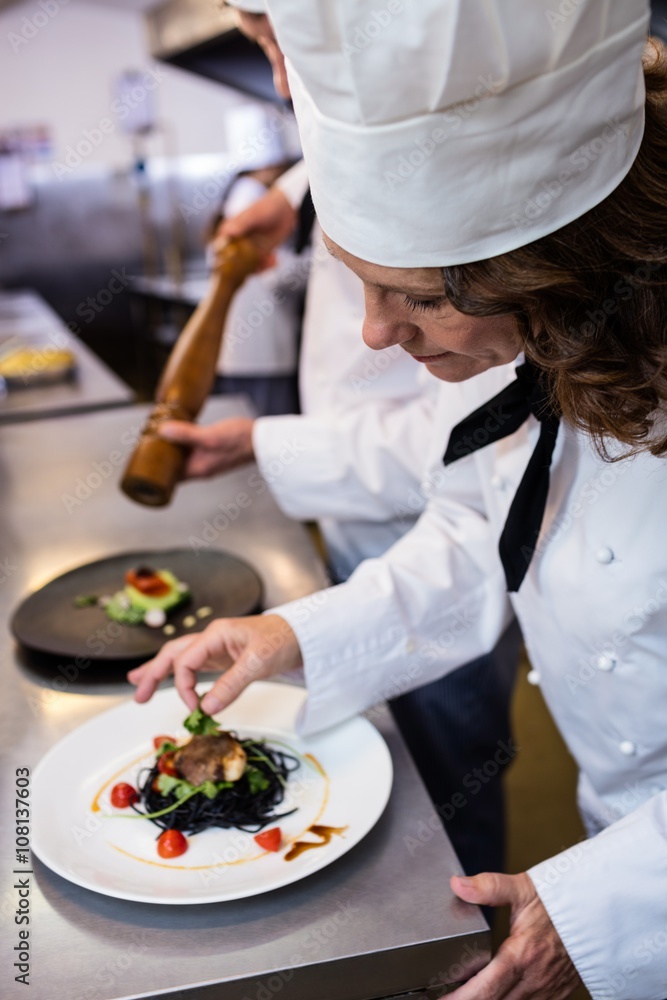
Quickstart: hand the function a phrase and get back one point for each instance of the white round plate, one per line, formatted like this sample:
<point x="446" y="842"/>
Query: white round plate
<point x="108" y="853"/>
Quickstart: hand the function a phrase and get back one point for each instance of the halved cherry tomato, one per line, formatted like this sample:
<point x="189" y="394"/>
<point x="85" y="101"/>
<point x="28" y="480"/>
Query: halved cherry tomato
<point x="123" y="795"/>
<point x="159" y="740"/>
<point x="147" y="582"/>
<point x="165" y="764"/>
<point x="269" y="840"/>
<point x="171" y="844"/>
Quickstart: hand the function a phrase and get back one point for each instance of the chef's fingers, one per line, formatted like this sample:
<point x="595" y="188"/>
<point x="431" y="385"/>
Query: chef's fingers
<point x="499" y="980"/>
<point x="215" y="448"/>
<point x="183" y="432"/>
<point x="202" y="442"/>
<point x="148" y="676"/>
<point x="260" y="646"/>
<point x="232" y="644"/>
<point x="494" y="889"/>
<point x="508" y="977"/>
<point x="208" y="652"/>
<point x="532" y="962"/>
<point x="249" y="667"/>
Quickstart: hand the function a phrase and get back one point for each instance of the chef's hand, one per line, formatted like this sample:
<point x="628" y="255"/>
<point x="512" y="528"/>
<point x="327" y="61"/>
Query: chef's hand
<point x="268" y="221"/>
<point x="247" y="649"/>
<point x="216" y="448"/>
<point x="532" y="962"/>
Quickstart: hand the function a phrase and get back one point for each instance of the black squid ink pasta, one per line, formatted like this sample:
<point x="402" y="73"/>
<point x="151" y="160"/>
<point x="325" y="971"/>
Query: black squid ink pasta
<point x="237" y="807"/>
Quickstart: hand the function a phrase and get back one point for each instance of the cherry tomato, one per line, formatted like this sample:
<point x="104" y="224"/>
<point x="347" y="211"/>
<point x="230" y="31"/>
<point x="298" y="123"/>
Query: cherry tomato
<point x="147" y="582"/>
<point x="159" y="740"/>
<point x="165" y="765"/>
<point x="171" y="844"/>
<point x="123" y="795"/>
<point x="269" y="840"/>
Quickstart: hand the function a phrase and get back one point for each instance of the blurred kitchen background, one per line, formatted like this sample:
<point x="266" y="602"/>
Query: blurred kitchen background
<point x="115" y="154"/>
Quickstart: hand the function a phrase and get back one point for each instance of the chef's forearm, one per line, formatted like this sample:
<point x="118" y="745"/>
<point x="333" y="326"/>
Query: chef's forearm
<point x="399" y="622"/>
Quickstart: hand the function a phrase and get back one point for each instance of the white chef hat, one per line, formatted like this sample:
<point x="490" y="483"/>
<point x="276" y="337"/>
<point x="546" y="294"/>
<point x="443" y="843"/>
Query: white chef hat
<point x="445" y="131"/>
<point x="249" y="6"/>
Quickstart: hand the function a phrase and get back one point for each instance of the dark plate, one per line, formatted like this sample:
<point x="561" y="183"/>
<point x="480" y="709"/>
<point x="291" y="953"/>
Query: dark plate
<point x="49" y="622"/>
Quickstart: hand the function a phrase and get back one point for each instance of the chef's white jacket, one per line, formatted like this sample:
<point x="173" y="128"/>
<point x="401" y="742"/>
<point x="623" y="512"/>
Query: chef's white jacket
<point x="593" y="611"/>
<point x="358" y="451"/>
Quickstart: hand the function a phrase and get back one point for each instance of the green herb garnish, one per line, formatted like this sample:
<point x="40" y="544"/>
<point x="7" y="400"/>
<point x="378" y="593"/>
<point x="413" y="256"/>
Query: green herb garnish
<point x="261" y="756"/>
<point x="200" y="724"/>
<point x="119" y="609"/>
<point x="161" y="812"/>
<point x="257" y="780"/>
<point x="167" y="783"/>
<point x="85" y="602"/>
<point x="211" y="788"/>
<point x="183" y="791"/>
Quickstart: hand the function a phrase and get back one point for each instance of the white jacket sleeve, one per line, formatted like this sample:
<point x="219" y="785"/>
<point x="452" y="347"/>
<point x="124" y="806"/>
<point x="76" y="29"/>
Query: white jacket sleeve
<point x="607" y="898"/>
<point x="366" y="465"/>
<point x="433" y="602"/>
<point x="294" y="183"/>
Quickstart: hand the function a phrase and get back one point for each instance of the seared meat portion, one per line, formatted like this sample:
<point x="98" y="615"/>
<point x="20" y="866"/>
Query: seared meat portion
<point x="218" y="757"/>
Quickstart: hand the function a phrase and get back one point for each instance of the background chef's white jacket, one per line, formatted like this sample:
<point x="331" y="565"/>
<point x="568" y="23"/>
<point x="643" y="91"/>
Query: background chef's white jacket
<point x="357" y="453"/>
<point x="593" y="611"/>
<point x="261" y="335"/>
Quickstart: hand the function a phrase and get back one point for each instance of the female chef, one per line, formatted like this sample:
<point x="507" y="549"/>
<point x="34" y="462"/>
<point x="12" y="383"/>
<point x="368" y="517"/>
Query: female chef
<point x="508" y="225"/>
<point x="362" y="439"/>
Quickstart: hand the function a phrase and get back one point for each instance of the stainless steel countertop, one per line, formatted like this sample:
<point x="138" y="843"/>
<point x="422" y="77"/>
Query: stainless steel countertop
<point x="380" y="921"/>
<point x="27" y="320"/>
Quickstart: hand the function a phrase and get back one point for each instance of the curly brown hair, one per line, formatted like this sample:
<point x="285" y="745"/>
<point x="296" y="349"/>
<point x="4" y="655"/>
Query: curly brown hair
<point x="591" y="298"/>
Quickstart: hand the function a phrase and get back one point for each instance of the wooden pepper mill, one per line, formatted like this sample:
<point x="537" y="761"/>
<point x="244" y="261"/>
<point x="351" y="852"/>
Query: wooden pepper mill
<point x="157" y="465"/>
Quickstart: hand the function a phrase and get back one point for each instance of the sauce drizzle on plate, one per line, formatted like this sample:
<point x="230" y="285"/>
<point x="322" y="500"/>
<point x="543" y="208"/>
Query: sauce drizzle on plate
<point x="325" y="833"/>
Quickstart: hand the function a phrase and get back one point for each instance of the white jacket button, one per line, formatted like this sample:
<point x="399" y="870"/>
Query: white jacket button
<point x="628" y="748"/>
<point x="498" y="482"/>
<point x="605" y="662"/>
<point x="604" y="555"/>
<point x="533" y="677"/>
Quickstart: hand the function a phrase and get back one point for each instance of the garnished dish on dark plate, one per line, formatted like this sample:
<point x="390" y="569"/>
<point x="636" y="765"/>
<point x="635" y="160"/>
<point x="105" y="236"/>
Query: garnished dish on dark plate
<point x="139" y="805"/>
<point x="126" y="606"/>
<point x="147" y="598"/>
